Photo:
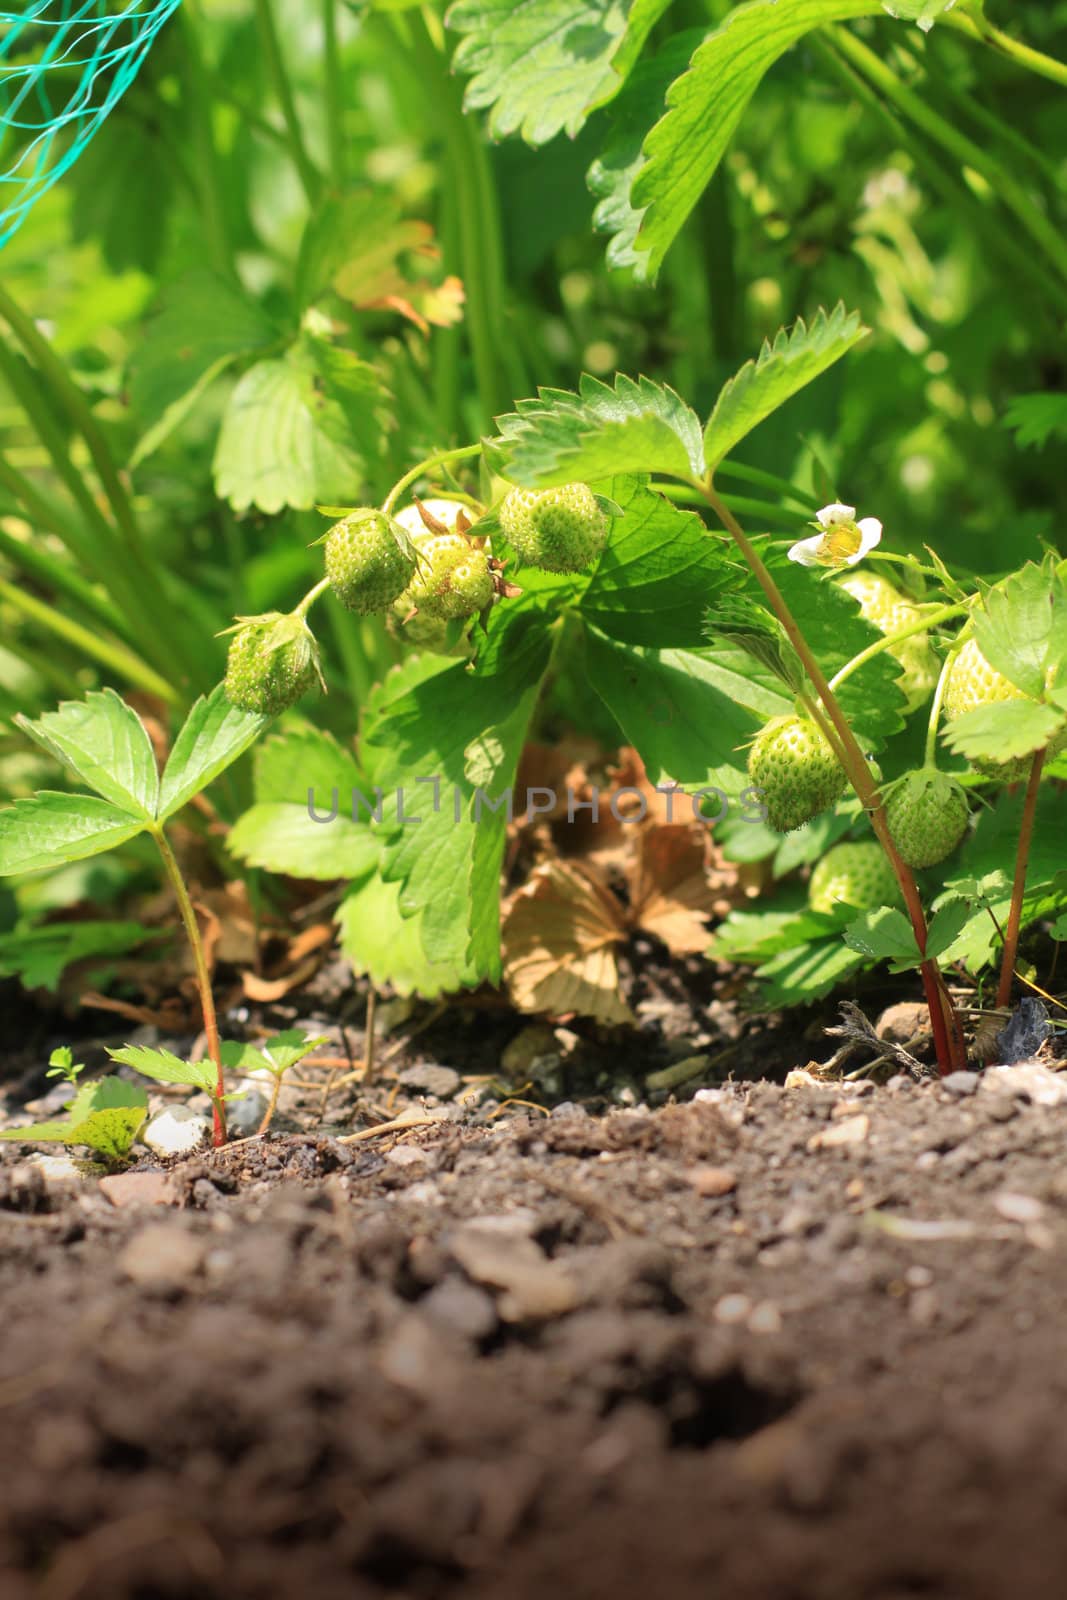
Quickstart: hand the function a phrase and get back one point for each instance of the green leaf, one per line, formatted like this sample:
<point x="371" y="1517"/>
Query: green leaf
<point x="288" y="764"/>
<point x="387" y="947"/>
<point x="300" y="429"/>
<point x="1036" y="417"/>
<point x="105" y="744"/>
<point x="460" y="732"/>
<point x="213" y="735"/>
<point x="705" y="105"/>
<point x="783" y="368"/>
<point x="945" y="927"/>
<point x="884" y="935"/>
<point x="51" y="829"/>
<point x="805" y="973"/>
<point x="689" y="713"/>
<point x="612" y="174"/>
<point x="924" y="12"/>
<point x="165" y="1067"/>
<point x="39" y="956"/>
<point x="275" y="1055"/>
<point x="1004" y="731"/>
<point x="106" y="1116"/>
<point x="205" y="323"/>
<point x="661" y="567"/>
<point x="543" y="65"/>
<point x="284" y="838"/>
<point x="755" y="936"/>
<point x="1021" y="626"/>
<point x="636" y="427"/>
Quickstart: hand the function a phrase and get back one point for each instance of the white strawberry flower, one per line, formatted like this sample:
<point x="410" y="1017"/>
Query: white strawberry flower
<point x="840" y="542"/>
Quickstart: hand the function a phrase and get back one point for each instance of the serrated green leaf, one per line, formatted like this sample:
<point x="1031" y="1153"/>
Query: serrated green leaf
<point x="689" y="713"/>
<point x="51" y="829"/>
<point x="543" y="65"/>
<point x="105" y="1115"/>
<point x="1021" y="626"/>
<point x="756" y="936"/>
<point x="459" y="732"/>
<point x="213" y="735"/>
<point x="285" y="838"/>
<point x="657" y="574"/>
<point x="204" y="324"/>
<point x="387" y="947"/>
<point x="1036" y="417"/>
<point x="288" y="764"/>
<point x="104" y="743"/>
<point x="945" y="927"/>
<point x="636" y="427"/>
<point x="275" y="1055"/>
<point x="782" y="368"/>
<point x="39" y="956"/>
<point x="797" y="977"/>
<point x="611" y="176"/>
<point x="986" y="863"/>
<point x="705" y="105"/>
<point x="884" y="935"/>
<point x="1003" y="731"/>
<point x="165" y="1067"/>
<point x="300" y="429"/>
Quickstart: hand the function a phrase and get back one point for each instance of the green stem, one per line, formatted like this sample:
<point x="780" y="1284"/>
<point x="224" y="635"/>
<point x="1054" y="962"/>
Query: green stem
<point x="461" y="453"/>
<point x="205" y="170"/>
<point x="28" y="556"/>
<point x="888" y="640"/>
<point x="1018" y="888"/>
<point x="1040" y="229"/>
<point x="203" y="980"/>
<point x="934" y="722"/>
<point x="767" y="480"/>
<point x="112" y="655"/>
<point x="334" y="85"/>
<point x="1024" y="55"/>
<point x="309" y="599"/>
<point x="272" y="50"/>
<point x="946" y="1036"/>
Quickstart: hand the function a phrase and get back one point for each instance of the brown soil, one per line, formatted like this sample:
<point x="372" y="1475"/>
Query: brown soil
<point x="677" y="1353"/>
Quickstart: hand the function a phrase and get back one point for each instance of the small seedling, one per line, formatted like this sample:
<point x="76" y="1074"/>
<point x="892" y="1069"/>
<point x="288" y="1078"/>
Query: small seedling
<point x="105" y="1116"/>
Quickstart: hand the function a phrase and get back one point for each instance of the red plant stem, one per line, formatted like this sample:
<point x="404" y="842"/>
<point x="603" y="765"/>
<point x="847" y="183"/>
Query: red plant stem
<point x="203" y="982"/>
<point x="948" y="1043"/>
<point x="1018" y="888"/>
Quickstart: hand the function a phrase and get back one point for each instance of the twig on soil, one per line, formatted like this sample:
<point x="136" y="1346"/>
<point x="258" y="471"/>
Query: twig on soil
<point x="400" y="1124"/>
<point x="858" y="1030"/>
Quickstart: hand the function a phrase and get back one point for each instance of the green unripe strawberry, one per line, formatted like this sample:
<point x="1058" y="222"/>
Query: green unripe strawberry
<point x="561" y="530"/>
<point x="795" y="769"/>
<point x="421" y="632"/>
<point x="973" y="682"/>
<point x="889" y="611"/>
<point x="856" y="875"/>
<point x="927" y="814"/>
<point x="272" y="663"/>
<point x="370" y="559"/>
<point x="454" y="578"/>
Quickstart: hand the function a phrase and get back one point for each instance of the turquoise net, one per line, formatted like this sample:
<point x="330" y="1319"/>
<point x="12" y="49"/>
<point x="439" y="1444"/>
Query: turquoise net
<point x="64" y="64"/>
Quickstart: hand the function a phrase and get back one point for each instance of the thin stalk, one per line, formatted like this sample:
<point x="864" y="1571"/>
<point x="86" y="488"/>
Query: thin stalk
<point x="930" y="750"/>
<point x="462" y="453"/>
<point x="1018" y="888"/>
<point x="1024" y="55"/>
<point x="312" y="595"/>
<point x="112" y="655"/>
<point x="268" y="1115"/>
<point x="767" y="480"/>
<point x="333" y="79"/>
<point x="203" y="981"/>
<point x="272" y="50"/>
<point x="30" y="558"/>
<point x="72" y="400"/>
<point x="946" y="1039"/>
<point x="205" y="172"/>
<point x="1040" y="229"/>
<point x="888" y="640"/>
<point x="368" y="1035"/>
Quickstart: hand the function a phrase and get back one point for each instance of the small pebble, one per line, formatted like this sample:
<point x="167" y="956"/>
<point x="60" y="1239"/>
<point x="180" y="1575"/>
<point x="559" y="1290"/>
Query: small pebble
<point x="766" y="1318"/>
<point x="960" y="1083"/>
<point x="711" y="1182"/>
<point x="176" y="1131"/>
<point x="161" y="1257"/>
<point x="733" y="1308"/>
<point x="1014" y="1207"/>
<point x="852" y="1131"/>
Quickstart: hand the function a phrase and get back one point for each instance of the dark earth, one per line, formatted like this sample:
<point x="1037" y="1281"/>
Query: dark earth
<point x="801" y="1343"/>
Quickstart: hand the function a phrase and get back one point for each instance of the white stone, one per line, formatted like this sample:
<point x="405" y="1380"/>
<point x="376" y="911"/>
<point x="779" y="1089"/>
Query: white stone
<point x="1029" y="1080"/>
<point x="177" y="1131"/>
<point x="58" y="1172"/>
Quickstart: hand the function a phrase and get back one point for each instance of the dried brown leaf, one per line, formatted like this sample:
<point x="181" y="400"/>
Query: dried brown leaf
<point x="559" y="938"/>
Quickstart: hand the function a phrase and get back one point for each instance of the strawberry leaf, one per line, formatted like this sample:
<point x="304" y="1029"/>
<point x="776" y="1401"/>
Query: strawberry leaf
<point x="386" y="946"/>
<point x="1003" y="732"/>
<point x="213" y="735"/>
<point x="103" y="742"/>
<point x="542" y="66"/>
<point x="51" y="829"/>
<point x="165" y="1067"/>
<point x="1021" y="626"/>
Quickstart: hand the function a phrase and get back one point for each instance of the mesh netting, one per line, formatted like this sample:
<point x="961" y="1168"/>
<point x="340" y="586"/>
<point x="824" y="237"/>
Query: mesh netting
<point x="63" y="65"/>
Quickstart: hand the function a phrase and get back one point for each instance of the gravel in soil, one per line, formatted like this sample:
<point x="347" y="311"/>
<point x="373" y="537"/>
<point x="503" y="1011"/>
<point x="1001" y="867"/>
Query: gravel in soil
<point x="774" y="1342"/>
